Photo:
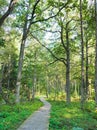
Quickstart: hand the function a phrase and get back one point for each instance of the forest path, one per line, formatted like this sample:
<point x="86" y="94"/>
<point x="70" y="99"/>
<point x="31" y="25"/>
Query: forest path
<point x="39" y="120"/>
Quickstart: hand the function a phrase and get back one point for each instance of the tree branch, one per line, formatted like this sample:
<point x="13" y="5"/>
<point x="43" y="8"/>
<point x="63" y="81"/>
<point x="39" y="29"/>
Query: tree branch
<point x="63" y="60"/>
<point x="34" y="8"/>
<point x="50" y="31"/>
<point x="62" y="41"/>
<point x="46" y="19"/>
<point x="32" y="14"/>
<point x="52" y="62"/>
<point x="7" y="13"/>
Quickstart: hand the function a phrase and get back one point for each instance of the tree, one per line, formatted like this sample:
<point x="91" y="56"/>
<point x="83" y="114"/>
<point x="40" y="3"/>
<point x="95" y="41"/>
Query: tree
<point x="66" y="61"/>
<point x="28" y="22"/>
<point x="82" y="59"/>
<point x="26" y="29"/>
<point x="8" y="12"/>
<point x="8" y="58"/>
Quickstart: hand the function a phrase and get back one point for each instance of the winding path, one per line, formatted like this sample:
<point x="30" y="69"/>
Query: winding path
<point x="38" y="120"/>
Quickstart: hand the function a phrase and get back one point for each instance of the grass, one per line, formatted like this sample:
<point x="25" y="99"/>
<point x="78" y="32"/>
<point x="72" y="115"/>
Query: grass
<point x="71" y="117"/>
<point x="12" y="116"/>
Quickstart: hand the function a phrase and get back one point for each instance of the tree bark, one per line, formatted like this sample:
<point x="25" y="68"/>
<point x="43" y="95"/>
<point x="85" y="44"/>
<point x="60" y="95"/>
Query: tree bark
<point x="87" y="67"/>
<point x="18" y="83"/>
<point x="67" y="67"/>
<point x="82" y="59"/>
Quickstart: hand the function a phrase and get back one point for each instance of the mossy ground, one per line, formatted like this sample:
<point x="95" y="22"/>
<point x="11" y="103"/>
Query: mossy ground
<point x="71" y="117"/>
<point x="12" y="116"/>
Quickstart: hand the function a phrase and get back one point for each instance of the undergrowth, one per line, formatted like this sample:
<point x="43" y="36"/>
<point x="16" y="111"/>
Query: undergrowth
<point x="71" y="117"/>
<point x="12" y="116"/>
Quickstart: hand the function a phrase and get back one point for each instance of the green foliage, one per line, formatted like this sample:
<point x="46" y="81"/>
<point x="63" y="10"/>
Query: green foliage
<point x="2" y="41"/>
<point x="36" y="60"/>
<point x="12" y="116"/>
<point x="2" y="4"/>
<point x="71" y="117"/>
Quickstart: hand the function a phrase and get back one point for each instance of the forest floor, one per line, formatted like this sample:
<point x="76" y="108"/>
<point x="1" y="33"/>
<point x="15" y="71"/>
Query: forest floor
<point x="39" y="120"/>
<point x="65" y="116"/>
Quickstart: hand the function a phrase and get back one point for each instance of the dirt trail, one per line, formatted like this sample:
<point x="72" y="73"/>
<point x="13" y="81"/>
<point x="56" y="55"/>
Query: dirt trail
<point x="38" y="120"/>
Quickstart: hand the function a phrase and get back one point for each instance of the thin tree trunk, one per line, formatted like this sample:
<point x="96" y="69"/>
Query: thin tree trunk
<point x="96" y="54"/>
<point x="75" y="89"/>
<point x="47" y="86"/>
<point x="55" y="89"/>
<point x="34" y="76"/>
<point x="87" y="67"/>
<point x="68" y="99"/>
<point x="1" y="91"/>
<point x="82" y="59"/>
<point x="67" y="84"/>
<point x="1" y="78"/>
<point x="57" y="85"/>
<point x="8" y="80"/>
<point x="34" y="84"/>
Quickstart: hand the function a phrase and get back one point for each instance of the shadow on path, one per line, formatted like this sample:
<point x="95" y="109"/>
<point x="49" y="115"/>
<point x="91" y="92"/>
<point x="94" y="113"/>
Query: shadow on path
<point x="39" y="120"/>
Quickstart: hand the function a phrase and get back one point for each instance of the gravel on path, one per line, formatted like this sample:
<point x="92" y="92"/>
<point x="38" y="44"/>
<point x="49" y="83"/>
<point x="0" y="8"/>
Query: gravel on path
<point x="38" y="120"/>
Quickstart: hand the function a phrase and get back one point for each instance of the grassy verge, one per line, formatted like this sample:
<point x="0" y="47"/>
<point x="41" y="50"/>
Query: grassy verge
<point x="12" y="116"/>
<point x="71" y="117"/>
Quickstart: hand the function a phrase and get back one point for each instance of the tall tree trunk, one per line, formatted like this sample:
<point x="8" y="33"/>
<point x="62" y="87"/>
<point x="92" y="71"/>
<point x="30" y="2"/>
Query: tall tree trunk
<point x="8" y="79"/>
<point x="82" y="59"/>
<point x="68" y="99"/>
<point x="96" y="54"/>
<point x="68" y="83"/>
<point x="66" y="62"/>
<point x="21" y="56"/>
<point x="18" y="83"/>
<point x="87" y="67"/>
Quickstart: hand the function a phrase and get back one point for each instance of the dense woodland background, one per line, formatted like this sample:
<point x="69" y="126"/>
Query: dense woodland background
<point x="48" y="47"/>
